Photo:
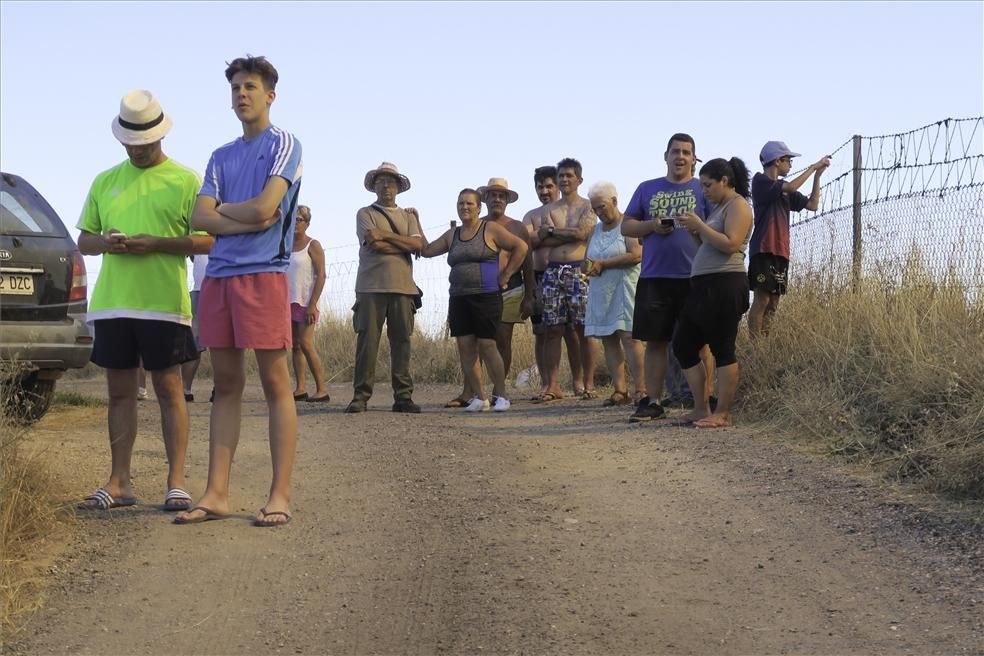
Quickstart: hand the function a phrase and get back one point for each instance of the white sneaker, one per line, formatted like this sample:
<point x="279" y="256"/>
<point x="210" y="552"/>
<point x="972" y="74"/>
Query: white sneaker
<point x="141" y="393"/>
<point x="501" y="404"/>
<point x="478" y="405"/>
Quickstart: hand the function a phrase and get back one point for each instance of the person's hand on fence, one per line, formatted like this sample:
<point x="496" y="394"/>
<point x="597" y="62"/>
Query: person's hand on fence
<point x="822" y="164"/>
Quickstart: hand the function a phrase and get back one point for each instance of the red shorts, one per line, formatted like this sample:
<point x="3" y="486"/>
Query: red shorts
<point x="247" y="311"/>
<point x="298" y="313"/>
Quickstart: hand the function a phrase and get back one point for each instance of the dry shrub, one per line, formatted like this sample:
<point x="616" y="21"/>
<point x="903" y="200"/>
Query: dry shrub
<point x="29" y="519"/>
<point x="889" y="373"/>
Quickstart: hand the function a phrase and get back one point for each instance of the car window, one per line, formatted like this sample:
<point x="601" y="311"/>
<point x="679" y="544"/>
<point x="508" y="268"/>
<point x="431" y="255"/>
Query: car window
<point x="24" y="211"/>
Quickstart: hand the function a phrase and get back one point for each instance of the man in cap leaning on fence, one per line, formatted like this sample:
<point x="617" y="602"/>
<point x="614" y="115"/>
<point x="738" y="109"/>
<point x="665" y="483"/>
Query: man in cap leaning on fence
<point x="138" y="216"/>
<point x="384" y="287"/>
<point x="773" y="198"/>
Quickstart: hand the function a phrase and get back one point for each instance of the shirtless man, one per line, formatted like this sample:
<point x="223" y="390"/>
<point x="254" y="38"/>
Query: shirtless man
<point x="545" y="180"/>
<point x="565" y="229"/>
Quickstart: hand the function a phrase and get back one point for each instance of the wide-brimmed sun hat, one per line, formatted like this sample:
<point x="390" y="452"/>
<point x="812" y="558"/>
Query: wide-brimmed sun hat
<point x="498" y="184"/>
<point x="387" y="168"/>
<point x="141" y="120"/>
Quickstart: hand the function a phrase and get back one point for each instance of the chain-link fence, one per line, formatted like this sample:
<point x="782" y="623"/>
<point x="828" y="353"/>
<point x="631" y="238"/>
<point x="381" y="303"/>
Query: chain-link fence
<point x="899" y="202"/>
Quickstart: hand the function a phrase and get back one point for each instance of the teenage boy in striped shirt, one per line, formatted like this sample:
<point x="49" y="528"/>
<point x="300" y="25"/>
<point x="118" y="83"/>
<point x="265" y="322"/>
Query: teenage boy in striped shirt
<point x="249" y="201"/>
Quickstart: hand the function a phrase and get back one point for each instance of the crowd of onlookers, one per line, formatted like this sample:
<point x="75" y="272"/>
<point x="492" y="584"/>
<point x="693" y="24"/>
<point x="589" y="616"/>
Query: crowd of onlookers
<point x="666" y="275"/>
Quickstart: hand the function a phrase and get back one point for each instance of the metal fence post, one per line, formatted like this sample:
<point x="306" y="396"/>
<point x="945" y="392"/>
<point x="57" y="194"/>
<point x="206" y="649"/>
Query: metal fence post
<point x="856" y="248"/>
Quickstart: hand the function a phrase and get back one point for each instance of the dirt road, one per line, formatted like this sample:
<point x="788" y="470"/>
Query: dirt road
<point x="546" y="530"/>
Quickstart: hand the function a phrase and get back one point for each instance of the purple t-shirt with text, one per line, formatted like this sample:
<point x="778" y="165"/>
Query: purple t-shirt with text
<point x="667" y="256"/>
<point x="237" y="172"/>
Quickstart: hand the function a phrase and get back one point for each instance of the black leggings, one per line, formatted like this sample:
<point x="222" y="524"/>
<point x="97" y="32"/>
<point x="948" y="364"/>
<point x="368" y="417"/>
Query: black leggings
<point x="710" y="316"/>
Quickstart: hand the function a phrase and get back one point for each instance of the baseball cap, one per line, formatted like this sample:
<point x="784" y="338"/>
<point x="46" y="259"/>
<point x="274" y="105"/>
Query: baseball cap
<point x="773" y="150"/>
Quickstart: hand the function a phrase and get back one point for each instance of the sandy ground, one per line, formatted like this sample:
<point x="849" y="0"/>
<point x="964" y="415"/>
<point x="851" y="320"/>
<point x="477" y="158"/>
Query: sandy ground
<point x="557" y="529"/>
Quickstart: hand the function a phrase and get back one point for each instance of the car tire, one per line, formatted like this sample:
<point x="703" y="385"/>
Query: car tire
<point x="29" y="399"/>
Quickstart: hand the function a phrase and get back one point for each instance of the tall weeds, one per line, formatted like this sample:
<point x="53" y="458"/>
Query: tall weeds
<point x="28" y="519"/>
<point x="889" y="373"/>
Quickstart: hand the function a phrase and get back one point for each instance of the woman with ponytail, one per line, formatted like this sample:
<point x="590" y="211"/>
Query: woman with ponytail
<point x="718" y="288"/>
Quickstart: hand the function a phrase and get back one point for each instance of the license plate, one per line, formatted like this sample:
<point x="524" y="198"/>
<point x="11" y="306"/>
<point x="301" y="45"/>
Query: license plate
<point x="16" y="284"/>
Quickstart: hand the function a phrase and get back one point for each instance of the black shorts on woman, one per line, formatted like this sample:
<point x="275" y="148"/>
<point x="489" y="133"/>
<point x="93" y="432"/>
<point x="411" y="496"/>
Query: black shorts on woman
<point x="475" y="314"/>
<point x="711" y="316"/>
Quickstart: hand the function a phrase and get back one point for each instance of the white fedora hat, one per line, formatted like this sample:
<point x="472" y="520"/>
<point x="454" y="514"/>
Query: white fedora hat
<point x="386" y="168"/>
<point x="141" y="120"/>
<point x="498" y="184"/>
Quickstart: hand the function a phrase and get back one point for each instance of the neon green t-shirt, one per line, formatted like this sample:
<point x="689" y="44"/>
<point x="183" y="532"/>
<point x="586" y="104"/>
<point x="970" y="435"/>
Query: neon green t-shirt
<point x="156" y="201"/>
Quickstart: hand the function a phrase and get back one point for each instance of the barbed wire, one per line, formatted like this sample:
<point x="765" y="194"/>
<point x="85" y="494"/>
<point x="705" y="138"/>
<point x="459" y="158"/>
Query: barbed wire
<point x="921" y="196"/>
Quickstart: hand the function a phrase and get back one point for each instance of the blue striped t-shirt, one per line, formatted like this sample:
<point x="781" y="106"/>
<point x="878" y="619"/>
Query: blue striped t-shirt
<point x="237" y="172"/>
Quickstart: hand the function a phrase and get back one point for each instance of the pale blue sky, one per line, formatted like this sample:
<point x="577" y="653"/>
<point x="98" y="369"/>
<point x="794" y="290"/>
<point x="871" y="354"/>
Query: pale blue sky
<point x="455" y="93"/>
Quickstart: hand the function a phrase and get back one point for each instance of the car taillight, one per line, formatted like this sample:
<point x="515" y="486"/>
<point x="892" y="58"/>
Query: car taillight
<point x="78" y="292"/>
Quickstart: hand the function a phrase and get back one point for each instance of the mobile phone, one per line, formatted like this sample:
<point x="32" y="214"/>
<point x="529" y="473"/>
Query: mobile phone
<point x="117" y="235"/>
<point x="667" y="222"/>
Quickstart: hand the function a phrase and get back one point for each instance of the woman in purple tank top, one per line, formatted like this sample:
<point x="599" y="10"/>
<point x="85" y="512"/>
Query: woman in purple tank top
<point x="475" y="304"/>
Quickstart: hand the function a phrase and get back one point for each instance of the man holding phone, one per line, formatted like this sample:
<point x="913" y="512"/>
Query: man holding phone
<point x="667" y="253"/>
<point x="138" y="217"/>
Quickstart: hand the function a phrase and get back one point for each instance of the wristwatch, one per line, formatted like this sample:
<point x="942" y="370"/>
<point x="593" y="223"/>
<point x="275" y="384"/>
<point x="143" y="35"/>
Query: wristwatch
<point x="550" y="231"/>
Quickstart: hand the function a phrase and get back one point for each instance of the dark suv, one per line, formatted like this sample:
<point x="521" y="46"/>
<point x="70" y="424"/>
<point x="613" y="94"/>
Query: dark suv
<point x="42" y="301"/>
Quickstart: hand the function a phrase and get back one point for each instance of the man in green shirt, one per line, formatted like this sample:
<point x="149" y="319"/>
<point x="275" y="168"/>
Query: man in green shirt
<point x="138" y="216"/>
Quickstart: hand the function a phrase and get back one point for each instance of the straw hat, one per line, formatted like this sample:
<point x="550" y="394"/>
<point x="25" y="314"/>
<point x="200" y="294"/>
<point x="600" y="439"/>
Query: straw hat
<point x="389" y="169"/>
<point x="141" y="120"/>
<point x="498" y="184"/>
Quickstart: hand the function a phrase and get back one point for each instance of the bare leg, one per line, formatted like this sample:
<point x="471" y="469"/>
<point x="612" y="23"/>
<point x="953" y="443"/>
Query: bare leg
<point x="121" y="386"/>
<point x="727" y="387"/>
<point x="708" y="359"/>
<point x="551" y="357"/>
<point x="297" y="359"/>
<point x="697" y="380"/>
<point x="174" y="421"/>
<point x="635" y="353"/>
<point x="655" y="365"/>
<point x="587" y="359"/>
<point x="758" y="319"/>
<point x="468" y="355"/>
<point x="283" y="428"/>
<point x="573" y="358"/>
<point x="493" y="362"/>
<point x="503" y="341"/>
<point x="188" y="372"/>
<point x="228" y="365"/>
<point x="615" y="360"/>
<point x="539" y="346"/>
<point x="305" y="334"/>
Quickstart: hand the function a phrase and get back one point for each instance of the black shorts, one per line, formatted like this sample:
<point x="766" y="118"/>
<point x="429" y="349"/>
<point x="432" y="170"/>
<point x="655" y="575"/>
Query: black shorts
<point x="711" y="316"/>
<point x="768" y="272"/>
<point x="475" y="314"/>
<point x="658" y="302"/>
<point x="124" y="343"/>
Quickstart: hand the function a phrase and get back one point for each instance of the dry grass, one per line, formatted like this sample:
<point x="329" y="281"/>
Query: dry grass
<point x="889" y="375"/>
<point x="29" y="520"/>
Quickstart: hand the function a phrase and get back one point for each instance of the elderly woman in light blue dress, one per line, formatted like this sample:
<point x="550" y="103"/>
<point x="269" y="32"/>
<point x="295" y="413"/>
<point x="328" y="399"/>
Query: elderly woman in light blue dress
<point x="613" y="265"/>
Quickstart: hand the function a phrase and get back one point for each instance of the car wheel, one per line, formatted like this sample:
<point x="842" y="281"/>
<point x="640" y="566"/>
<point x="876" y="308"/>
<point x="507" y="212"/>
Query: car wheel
<point x="29" y="398"/>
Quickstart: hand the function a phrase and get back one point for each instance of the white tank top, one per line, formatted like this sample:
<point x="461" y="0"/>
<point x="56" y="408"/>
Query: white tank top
<point x="300" y="276"/>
